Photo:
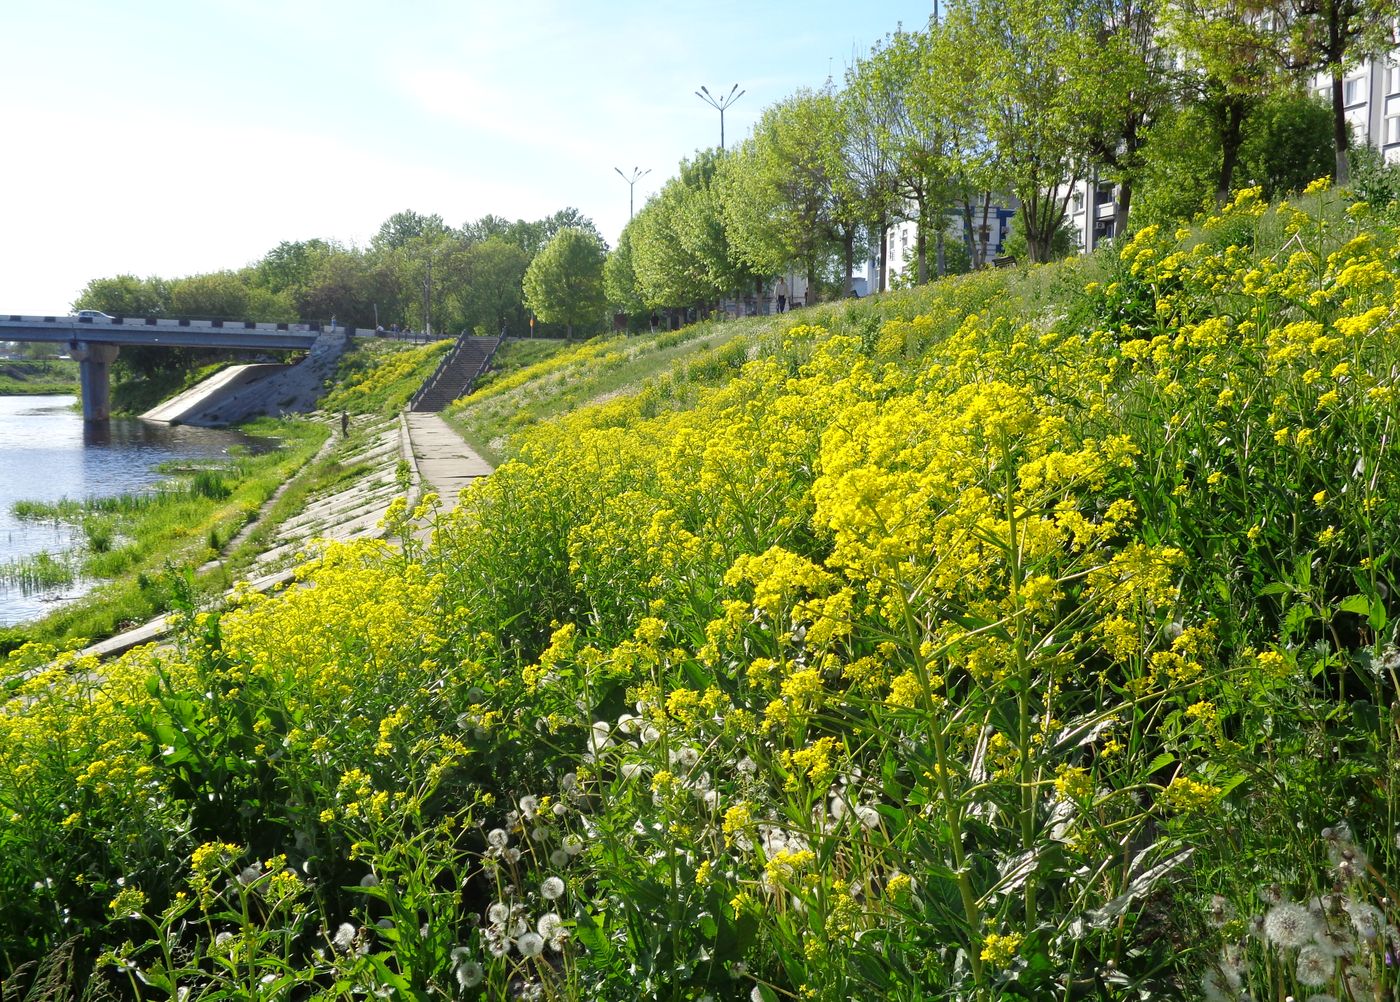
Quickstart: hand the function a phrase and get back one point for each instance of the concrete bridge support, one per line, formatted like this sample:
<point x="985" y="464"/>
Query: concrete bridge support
<point x="95" y="375"/>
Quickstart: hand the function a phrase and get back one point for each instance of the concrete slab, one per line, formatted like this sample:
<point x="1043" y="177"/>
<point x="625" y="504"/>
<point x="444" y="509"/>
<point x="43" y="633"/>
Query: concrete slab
<point x="438" y="459"/>
<point x="445" y="462"/>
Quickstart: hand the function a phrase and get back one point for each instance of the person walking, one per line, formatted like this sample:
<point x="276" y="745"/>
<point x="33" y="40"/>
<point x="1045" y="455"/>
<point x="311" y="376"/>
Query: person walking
<point x="782" y="293"/>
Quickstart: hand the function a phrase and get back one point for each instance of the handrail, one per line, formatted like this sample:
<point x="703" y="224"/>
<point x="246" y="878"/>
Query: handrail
<point x="449" y="360"/>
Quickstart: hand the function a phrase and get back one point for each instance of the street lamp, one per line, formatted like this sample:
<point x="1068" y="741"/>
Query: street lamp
<point x="704" y="94"/>
<point x="637" y="175"/>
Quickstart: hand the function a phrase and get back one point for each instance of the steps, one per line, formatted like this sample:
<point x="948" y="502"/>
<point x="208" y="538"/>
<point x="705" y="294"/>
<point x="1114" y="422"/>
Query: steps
<point x="458" y="372"/>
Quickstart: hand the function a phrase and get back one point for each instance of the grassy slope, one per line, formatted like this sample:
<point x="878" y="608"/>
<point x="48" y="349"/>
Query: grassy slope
<point x="955" y="618"/>
<point x="155" y="543"/>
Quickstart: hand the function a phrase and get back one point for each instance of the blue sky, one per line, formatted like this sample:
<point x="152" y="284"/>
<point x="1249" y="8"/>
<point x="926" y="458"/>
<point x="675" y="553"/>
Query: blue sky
<point x="173" y="137"/>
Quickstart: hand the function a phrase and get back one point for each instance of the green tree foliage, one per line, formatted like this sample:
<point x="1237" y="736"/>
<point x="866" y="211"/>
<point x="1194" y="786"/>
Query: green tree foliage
<point x="217" y="296"/>
<point x="784" y="200"/>
<point x="403" y="227"/>
<point x="1285" y="142"/>
<point x="1332" y="36"/>
<point x="681" y="250"/>
<point x="348" y="285"/>
<point x="491" y="297"/>
<point x="927" y="174"/>
<point x="564" y="283"/>
<point x="1231" y="70"/>
<point x="288" y="267"/>
<point x="1288" y="145"/>
<point x="620" y="278"/>
<point x="125" y="296"/>
<point x="872" y="104"/>
<point x="1027" y="80"/>
<point x="1135" y="84"/>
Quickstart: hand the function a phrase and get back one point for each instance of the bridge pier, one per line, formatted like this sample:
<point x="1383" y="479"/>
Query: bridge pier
<point x="95" y="376"/>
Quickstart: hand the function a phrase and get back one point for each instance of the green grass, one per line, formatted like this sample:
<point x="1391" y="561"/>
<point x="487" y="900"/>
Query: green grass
<point x="379" y="375"/>
<point x="136" y="542"/>
<point x="35" y="377"/>
<point x="566" y="377"/>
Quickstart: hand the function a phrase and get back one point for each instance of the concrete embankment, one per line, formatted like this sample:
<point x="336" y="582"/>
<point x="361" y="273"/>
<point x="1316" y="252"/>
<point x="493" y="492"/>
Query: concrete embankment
<point x="247" y="391"/>
<point x="436" y="459"/>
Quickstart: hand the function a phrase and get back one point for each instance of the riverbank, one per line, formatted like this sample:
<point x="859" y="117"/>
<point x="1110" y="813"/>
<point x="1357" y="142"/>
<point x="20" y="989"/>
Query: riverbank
<point x="149" y="557"/>
<point x="38" y="376"/>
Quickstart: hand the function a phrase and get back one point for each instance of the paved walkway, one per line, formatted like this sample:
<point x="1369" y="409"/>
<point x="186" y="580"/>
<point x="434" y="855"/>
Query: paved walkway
<point x="438" y="461"/>
<point x="445" y="463"/>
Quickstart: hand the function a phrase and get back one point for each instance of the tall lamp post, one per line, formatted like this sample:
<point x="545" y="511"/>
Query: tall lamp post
<point x="637" y="175"/>
<point x="719" y="105"/>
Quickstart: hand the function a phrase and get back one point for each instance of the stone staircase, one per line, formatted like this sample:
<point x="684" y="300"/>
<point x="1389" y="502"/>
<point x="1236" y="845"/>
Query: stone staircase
<point x="459" y="370"/>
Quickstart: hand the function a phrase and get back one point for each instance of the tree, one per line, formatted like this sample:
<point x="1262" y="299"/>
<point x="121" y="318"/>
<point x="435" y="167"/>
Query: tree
<point x="1135" y="85"/>
<point x="1331" y="36"/>
<point x="402" y="227"/>
<point x="217" y="296"/>
<point x="1027" y="81"/>
<point x="348" y="285"/>
<point x="564" y="283"/>
<point x="1232" y="66"/>
<point x="926" y="169"/>
<point x="288" y="266"/>
<point x="681" y="249"/>
<point x="783" y="200"/>
<point x="619" y="277"/>
<point x="873" y="110"/>
<point x="491" y="298"/>
<point x="125" y="296"/>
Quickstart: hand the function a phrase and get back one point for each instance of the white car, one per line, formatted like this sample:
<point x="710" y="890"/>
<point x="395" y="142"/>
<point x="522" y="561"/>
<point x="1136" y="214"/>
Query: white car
<point x="94" y="316"/>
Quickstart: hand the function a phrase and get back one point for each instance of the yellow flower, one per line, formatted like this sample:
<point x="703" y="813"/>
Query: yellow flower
<point x="999" y="950"/>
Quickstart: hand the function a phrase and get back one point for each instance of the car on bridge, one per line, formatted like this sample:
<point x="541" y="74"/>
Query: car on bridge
<point x="93" y="315"/>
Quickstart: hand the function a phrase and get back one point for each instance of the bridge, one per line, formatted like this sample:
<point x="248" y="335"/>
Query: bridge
<point x="95" y="342"/>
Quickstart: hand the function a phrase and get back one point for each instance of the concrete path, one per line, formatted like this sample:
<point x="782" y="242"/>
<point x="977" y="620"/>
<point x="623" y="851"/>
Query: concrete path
<point x="437" y="458"/>
<point x="445" y="463"/>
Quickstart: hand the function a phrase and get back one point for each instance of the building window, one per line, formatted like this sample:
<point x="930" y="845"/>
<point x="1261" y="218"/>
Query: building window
<point x="1351" y="93"/>
<point x="1392" y="129"/>
<point x="1392" y="79"/>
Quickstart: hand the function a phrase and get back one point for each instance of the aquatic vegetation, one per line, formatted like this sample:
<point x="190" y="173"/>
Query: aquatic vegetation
<point x="999" y="646"/>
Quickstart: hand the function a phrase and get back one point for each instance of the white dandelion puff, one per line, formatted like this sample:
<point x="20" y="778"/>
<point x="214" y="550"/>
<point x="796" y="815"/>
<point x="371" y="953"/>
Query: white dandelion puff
<point x="344" y="937"/>
<point x="1289" y="925"/>
<point x="552" y="888"/>
<point x="1315" y="967"/>
<point x="530" y="944"/>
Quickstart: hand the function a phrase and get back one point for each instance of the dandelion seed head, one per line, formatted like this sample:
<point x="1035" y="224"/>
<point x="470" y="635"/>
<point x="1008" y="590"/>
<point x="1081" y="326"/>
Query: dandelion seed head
<point x="530" y="944"/>
<point x="344" y="936"/>
<point x="1289" y="925"/>
<point x="1315" y="966"/>
<point x="552" y="888"/>
<point x="469" y="974"/>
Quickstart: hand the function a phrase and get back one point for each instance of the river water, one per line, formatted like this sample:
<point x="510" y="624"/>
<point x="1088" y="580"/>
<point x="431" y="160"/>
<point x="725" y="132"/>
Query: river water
<point x="47" y="453"/>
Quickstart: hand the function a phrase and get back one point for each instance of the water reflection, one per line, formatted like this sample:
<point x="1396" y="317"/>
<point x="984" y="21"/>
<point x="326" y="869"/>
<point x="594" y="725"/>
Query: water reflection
<point x="48" y="453"/>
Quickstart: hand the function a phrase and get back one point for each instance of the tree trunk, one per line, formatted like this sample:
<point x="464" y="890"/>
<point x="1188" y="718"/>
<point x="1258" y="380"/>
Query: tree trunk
<point x="1229" y="147"/>
<point x="848" y="255"/>
<point x="967" y="234"/>
<point x="984" y="232"/>
<point x="884" y="255"/>
<point x="1341" y="128"/>
<point x="1120" y="211"/>
<point x="921" y="252"/>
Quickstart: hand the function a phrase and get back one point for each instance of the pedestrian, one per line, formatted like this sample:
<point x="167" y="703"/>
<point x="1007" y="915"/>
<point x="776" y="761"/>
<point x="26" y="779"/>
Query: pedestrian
<point x="782" y="292"/>
<point x="344" y="424"/>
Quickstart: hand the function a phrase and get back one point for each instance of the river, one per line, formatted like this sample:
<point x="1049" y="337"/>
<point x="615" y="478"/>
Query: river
<point x="47" y="453"/>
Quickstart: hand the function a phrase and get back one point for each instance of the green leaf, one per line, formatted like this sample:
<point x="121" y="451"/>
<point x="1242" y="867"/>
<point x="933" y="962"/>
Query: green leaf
<point x="1356" y="604"/>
